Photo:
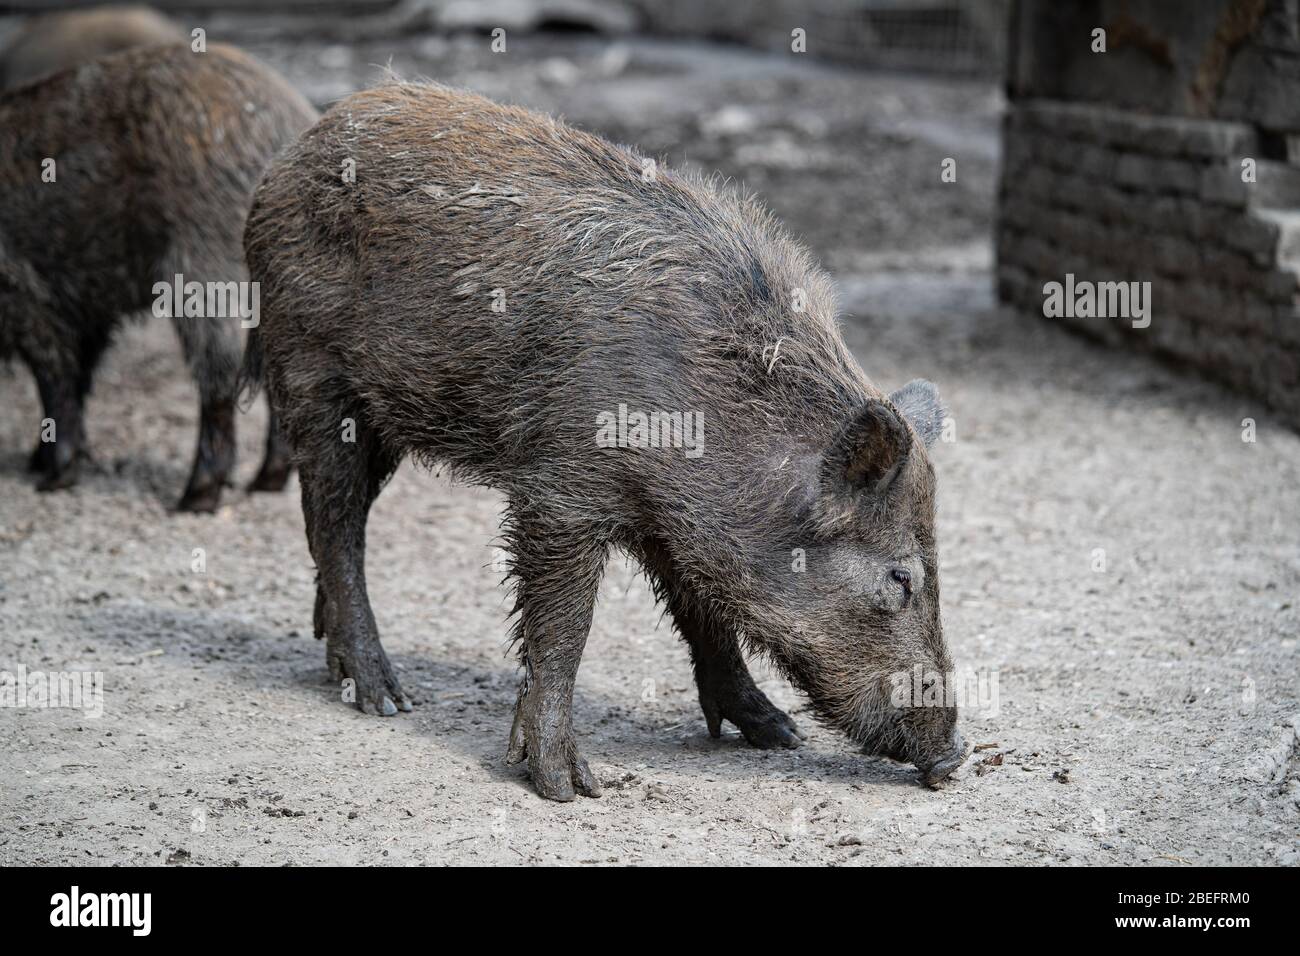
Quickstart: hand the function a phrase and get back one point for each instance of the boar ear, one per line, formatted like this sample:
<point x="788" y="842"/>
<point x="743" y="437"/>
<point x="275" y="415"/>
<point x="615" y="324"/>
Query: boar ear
<point x="869" y="449"/>
<point x="919" y="402"/>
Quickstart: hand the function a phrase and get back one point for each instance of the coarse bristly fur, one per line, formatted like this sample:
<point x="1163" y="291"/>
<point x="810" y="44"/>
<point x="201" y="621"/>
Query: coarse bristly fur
<point x="155" y="155"/>
<point x="612" y="287"/>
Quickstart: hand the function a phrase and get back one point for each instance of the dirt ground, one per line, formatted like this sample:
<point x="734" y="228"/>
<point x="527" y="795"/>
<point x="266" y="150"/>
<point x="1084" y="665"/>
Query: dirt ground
<point x="1146" y="710"/>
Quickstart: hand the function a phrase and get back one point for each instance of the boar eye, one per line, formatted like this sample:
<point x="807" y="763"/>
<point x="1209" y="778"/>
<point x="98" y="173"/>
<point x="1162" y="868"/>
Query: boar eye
<point x="903" y="577"/>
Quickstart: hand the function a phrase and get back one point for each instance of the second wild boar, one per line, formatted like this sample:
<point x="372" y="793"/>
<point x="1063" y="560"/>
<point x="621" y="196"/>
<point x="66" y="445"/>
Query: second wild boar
<point x="52" y="42"/>
<point x="117" y="177"/>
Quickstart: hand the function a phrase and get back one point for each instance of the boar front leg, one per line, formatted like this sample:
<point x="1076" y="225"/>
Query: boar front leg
<point x="726" y="688"/>
<point x="727" y="691"/>
<point x="62" y="355"/>
<point x="59" y="461"/>
<point x="558" y="574"/>
<point x="340" y="481"/>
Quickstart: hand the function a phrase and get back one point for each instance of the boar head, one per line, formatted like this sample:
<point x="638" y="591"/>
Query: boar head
<point x="854" y="624"/>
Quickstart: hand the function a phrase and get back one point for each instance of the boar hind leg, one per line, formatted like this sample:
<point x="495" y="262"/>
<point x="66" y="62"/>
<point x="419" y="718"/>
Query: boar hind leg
<point x="558" y="572"/>
<point x="214" y="457"/>
<point x="340" y="481"/>
<point x="278" y="462"/>
<point x="211" y="347"/>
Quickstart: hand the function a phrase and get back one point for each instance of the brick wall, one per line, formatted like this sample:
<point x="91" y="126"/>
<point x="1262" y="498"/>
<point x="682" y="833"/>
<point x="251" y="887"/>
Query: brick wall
<point x="1117" y="193"/>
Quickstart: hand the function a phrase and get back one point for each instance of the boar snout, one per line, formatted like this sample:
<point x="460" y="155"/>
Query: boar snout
<point x="937" y="745"/>
<point x="937" y="770"/>
<point x="935" y="763"/>
<point x="927" y="737"/>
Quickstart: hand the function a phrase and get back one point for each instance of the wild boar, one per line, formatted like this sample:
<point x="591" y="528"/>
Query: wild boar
<point x="487" y="289"/>
<point x="59" y="41"/>
<point x="119" y="177"/>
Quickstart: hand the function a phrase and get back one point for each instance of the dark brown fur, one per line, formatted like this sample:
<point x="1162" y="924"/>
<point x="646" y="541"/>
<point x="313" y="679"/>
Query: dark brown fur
<point x="157" y="151"/>
<point x="664" y="295"/>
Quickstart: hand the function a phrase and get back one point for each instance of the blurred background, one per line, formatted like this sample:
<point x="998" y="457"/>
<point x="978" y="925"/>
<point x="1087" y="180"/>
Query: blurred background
<point x="1122" y="161"/>
<point x="846" y="158"/>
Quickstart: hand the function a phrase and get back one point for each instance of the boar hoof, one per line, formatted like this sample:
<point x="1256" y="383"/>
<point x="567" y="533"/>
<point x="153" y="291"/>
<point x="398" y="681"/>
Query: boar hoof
<point x="377" y="691"/>
<point x="40" y="459"/>
<point x="58" y="480"/>
<point x="773" y="734"/>
<point x="564" y="778"/>
<point x="200" y="500"/>
<point x="558" y="771"/>
<point x="271" y="478"/>
<point x="762" y="724"/>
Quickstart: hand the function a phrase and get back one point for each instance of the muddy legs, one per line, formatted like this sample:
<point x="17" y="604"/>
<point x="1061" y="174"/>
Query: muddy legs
<point x="558" y="572"/>
<point x="339" y="484"/>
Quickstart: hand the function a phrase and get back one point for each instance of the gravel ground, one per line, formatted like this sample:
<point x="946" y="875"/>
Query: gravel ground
<point x="1146" y="712"/>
